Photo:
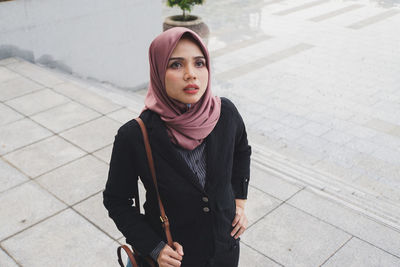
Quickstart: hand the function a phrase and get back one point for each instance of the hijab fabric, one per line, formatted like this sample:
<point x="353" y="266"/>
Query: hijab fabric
<point x="186" y="127"/>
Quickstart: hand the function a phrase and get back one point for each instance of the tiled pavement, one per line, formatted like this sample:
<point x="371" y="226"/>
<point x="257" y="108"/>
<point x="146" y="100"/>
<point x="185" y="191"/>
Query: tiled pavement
<point x="321" y="95"/>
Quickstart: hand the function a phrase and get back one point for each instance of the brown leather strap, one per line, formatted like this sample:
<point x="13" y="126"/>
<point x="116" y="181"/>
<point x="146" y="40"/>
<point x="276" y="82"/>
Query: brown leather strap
<point x="163" y="217"/>
<point x="129" y="253"/>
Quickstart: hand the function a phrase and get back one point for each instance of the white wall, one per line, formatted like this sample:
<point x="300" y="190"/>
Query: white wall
<point x="99" y="39"/>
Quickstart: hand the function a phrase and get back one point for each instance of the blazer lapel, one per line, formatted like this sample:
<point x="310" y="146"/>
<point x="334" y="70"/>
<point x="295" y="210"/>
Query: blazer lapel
<point x="161" y="144"/>
<point x="211" y="150"/>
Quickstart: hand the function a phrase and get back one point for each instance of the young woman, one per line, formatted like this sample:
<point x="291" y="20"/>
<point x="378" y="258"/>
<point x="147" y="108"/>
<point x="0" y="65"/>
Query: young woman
<point x="201" y="157"/>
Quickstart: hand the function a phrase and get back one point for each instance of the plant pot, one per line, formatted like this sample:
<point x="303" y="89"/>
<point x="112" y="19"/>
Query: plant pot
<point x="194" y="23"/>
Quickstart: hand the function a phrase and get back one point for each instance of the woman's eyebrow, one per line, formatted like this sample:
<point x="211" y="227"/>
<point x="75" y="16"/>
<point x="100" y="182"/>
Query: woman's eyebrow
<point x="181" y="58"/>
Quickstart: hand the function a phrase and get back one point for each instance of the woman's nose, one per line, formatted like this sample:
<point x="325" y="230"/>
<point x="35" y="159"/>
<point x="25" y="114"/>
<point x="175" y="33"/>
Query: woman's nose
<point x="190" y="73"/>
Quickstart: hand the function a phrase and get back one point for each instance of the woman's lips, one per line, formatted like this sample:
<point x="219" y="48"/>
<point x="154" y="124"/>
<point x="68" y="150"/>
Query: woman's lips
<point x="191" y="91"/>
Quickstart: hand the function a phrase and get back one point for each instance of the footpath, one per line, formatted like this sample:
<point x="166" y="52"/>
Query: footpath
<point x="56" y="135"/>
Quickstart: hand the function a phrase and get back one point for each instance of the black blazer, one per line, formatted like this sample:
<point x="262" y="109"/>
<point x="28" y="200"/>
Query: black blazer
<point x="200" y="218"/>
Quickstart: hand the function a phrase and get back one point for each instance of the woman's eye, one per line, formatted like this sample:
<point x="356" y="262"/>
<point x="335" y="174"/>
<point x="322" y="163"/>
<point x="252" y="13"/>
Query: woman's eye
<point x="200" y="63"/>
<point x="175" y="65"/>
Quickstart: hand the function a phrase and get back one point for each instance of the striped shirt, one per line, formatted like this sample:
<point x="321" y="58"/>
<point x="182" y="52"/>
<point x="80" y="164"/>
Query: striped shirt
<point x="196" y="160"/>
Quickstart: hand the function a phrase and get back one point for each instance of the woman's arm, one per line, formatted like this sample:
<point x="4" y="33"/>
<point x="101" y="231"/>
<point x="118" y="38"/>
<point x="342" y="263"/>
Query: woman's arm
<point x="119" y="192"/>
<point x="240" y="177"/>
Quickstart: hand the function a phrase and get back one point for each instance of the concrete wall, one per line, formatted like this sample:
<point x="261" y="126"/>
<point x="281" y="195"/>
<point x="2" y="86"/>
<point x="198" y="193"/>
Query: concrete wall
<point x="98" y="39"/>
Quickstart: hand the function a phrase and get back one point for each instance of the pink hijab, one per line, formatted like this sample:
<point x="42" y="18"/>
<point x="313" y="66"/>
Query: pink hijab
<point x="188" y="128"/>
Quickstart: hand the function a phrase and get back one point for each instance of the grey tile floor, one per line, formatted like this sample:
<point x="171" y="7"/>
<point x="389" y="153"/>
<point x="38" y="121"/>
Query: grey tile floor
<point x="317" y="83"/>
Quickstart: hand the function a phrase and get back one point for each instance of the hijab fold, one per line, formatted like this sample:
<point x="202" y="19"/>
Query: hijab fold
<point x="186" y="127"/>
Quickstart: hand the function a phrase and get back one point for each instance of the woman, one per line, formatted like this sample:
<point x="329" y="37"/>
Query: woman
<point x="201" y="157"/>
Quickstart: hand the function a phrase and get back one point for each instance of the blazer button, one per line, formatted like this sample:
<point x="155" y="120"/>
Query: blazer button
<point x="206" y="209"/>
<point x="205" y="199"/>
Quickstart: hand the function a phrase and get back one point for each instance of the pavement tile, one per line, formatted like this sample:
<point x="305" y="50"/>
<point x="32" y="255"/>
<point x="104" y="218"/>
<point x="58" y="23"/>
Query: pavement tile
<point x="6" y="74"/>
<point x="250" y="257"/>
<point x="380" y="125"/>
<point x="259" y="204"/>
<point x="16" y="87"/>
<point x="299" y="155"/>
<point x="359" y="253"/>
<point x="294" y="238"/>
<point x="6" y="261"/>
<point x="104" y="153"/>
<point x="36" y="73"/>
<point x="19" y="134"/>
<point x="261" y="125"/>
<point x="86" y="97"/>
<point x="293" y="121"/>
<point x="389" y="155"/>
<point x="94" y="134"/>
<point x="123" y="115"/>
<point x="271" y="184"/>
<point x="94" y="210"/>
<point x="66" y="239"/>
<point x="337" y="137"/>
<point x="8" y="115"/>
<point x="37" y="101"/>
<point x="386" y="140"/>
<point x="10" y="176"/>
<point x="287" y="133"/>
<point x="33" y="205"/>
<point x="43" y="156"/>
<point x="314" y="128"/>
<point x="65" y="116"/>
<point x="348" y="220"/>
<point x="66" y="182"/>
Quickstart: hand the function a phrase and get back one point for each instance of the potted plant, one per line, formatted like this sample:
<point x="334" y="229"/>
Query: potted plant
<point x="195" y="23"/>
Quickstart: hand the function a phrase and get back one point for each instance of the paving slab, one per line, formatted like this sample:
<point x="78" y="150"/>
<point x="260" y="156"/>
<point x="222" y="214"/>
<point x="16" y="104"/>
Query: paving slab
<point x="65" y="239"/>
<point x="6" y="260"/>
<point x="65" y="116"/>
<point x="359" y="253"/>
<point x="93" y="135"/>
<point x="8" y="115"/>
<point x="6" y="74"/>
<point x="94" y="210"/>
<point x="86" y="97"/>
<point x="77" y="180"/>
<point x="36" y="73"/>
<point x="259" y="205"/>
<point x="17" y="86"/>
<point x="123" y="115"/>
<point x="350" y="221"/>
<point x="37" y="101"/>
<point x="251" y="257"/>
<point x="43" y="156"/>
<point x="294" y="238"/>
<point x="19" y="134"/>
<point x="34" y="204"/>
<point x="104" y="154"/>
<point x="10" y="176"/>
<point x="271" y="184"/>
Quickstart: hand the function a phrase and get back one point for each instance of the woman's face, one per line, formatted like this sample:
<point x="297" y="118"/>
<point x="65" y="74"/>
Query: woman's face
<point x="186" y="77"/>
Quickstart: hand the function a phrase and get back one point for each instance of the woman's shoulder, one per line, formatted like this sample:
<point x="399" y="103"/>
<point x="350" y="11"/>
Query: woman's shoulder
<point x="227" y="106"/>
<point x="132" y="128"/>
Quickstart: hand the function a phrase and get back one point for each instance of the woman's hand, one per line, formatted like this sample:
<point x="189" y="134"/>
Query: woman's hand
<point x="169" y="257"/>
<point x="240" y="221"/>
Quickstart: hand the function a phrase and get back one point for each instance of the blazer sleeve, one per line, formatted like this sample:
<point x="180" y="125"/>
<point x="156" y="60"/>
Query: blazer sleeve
<point x="118" y="195"/>
<point x="241" y="160"/>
